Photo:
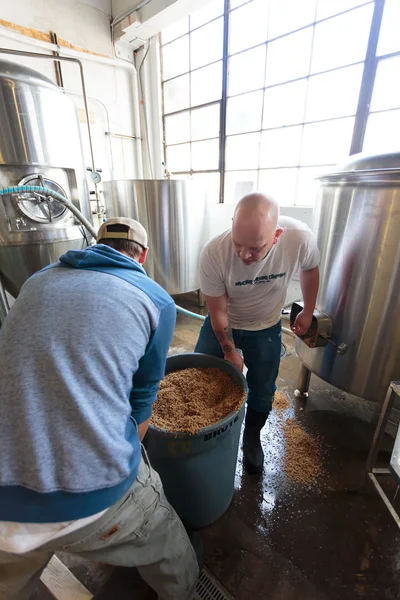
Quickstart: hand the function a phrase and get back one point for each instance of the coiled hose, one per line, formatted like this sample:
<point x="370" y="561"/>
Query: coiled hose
<point x="17" y="189"/>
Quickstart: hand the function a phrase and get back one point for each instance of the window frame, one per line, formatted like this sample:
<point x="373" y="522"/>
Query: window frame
<point x="363" y="104"/>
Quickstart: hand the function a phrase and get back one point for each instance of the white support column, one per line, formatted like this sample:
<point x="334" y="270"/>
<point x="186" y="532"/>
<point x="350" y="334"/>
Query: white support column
<point x="149" y="75"/>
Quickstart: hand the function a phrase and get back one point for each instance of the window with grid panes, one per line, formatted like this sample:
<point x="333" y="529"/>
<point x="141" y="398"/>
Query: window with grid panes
<point x="293" y="88"/>
<point x="293" y="78"/>
<point x="192" y="90"/>
<point x="383" y="125"/>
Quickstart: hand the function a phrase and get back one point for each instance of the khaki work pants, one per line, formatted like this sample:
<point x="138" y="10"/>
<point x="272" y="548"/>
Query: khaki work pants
<point x="141" y="530"/>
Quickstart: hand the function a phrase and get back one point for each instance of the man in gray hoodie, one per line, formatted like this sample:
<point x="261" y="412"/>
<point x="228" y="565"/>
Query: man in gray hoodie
<point x="82" y="353"/>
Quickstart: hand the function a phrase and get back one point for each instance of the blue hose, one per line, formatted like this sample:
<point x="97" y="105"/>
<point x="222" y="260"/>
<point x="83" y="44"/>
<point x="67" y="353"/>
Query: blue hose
<point x="189" y="313"/>
<point x="49" y="192"/>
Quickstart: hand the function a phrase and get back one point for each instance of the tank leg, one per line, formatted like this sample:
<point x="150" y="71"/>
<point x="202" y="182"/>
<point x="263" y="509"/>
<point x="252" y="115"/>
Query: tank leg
<point x="200" y="299"/>
<point x="303" y="382"/>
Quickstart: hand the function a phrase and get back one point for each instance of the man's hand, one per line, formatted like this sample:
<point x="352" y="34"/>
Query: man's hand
<point x="302" y="323"/>
<point x="235" y="358"/>
<point x="142" y="429"/>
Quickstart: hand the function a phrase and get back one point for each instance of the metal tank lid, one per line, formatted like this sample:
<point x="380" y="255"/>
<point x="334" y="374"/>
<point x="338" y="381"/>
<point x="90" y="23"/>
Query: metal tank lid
<point x="366" y="166"/>
<point x="16" y="71"/>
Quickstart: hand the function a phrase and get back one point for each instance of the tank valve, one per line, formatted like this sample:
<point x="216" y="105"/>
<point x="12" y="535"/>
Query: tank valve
<point x="319" y="333"/>
<point x="341" y="348"/>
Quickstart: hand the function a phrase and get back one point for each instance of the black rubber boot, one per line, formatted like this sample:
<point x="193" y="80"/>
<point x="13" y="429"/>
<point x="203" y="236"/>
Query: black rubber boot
<point x="252" y="449"/>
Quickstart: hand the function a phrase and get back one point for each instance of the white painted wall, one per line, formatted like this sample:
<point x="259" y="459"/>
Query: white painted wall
<point x="84" y="23"/>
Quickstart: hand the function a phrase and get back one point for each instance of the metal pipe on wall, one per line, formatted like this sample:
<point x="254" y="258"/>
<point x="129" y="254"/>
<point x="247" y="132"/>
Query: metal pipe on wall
<point x="110" y="62"/>
<point x="146" y="125"/>
<point x="59" y="75"/>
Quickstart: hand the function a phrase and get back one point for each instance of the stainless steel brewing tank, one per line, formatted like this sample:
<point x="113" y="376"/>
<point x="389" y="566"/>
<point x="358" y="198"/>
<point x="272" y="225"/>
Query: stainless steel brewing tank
<point x="357" y="221"/>
<point x="39" y="144"/>
<point x="174" y="214"/>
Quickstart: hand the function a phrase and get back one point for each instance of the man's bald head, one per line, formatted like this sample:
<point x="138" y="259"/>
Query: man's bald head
<point x="257" y="206"/>
<point x="255" y="227"/>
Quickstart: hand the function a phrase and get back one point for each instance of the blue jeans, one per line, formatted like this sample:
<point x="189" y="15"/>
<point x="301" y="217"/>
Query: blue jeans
<point x="261" y="353"/>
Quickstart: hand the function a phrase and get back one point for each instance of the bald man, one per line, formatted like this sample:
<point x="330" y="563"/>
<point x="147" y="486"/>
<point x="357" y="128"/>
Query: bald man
<point x="245" y="273"/>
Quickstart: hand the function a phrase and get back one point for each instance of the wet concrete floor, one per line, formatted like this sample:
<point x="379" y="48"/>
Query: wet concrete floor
<point x="282" y="539"/>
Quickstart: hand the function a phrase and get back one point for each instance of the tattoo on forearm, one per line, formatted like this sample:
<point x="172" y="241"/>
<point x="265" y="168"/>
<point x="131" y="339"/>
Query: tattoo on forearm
<point x="225" y="338"/>
<point x="228" y="333"/>
<point x="225" y="335"/>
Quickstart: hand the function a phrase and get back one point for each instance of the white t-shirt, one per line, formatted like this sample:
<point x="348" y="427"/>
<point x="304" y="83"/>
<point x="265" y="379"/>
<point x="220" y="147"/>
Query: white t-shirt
<point x="256" y="293"/>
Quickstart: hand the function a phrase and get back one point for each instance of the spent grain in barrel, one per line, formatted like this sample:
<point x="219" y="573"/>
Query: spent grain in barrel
<point x="191" y="399"/>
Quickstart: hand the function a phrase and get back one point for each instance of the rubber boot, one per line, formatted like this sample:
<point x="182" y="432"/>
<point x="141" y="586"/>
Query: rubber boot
<point x="252" y="449"/>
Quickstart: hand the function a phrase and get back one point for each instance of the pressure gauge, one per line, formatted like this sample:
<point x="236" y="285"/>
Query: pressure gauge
<point x="95" y="177"/>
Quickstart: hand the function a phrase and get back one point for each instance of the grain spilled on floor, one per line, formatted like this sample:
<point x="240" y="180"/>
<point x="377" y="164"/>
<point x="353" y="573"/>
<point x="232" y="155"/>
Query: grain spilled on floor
<point x="302" y="459"/>
<point x="281" y="403"/>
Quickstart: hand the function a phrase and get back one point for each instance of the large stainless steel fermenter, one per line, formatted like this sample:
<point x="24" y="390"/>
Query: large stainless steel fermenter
<point x="174" y="214"/>
<point x="40" y="145"/>
<point x="357" y="221"/>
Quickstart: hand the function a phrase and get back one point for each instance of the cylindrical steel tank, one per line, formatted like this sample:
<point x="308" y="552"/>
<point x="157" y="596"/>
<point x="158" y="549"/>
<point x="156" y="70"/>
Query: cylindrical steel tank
<point x="357" y="221"/>
<point x="174" y="214"/>
<point x="40" y="144"/>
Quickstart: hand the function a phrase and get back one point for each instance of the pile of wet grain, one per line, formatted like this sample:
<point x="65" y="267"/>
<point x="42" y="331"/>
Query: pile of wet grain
<point x="302" y="455"/>
<point x="281" y="402"/>
<point x="191" y="399"/>
<point x="302" y="460"/>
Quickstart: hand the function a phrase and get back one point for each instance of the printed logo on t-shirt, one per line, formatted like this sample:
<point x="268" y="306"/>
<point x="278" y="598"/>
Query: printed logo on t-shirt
<point x="261" y="279"/>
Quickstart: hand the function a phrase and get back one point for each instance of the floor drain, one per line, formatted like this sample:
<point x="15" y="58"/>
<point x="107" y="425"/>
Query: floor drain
<point x="208" y="588"/>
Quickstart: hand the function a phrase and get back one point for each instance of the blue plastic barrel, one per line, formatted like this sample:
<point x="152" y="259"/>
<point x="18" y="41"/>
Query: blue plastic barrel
<point x="198" y="470"/>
